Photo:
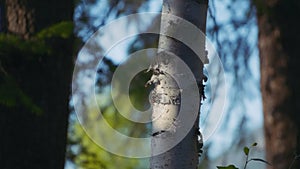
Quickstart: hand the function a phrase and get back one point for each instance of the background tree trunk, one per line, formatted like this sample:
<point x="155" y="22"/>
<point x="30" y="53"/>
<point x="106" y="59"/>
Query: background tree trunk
<point x="185" y="154"/>
<point x="20" y="17"/>
<point x="30" y="140"/>
<point x="280" y="67"/>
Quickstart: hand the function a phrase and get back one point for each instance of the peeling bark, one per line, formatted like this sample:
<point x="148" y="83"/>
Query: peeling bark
<point x="166" y="96"/>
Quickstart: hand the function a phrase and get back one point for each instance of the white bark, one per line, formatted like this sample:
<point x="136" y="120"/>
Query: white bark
<point x="166" y="96"/>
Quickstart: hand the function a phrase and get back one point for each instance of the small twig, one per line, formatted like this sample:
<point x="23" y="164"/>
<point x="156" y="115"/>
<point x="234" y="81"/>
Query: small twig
<point x="3" y="70"/>
<point x="294" y="160"/>
<point x="247" y="161"/>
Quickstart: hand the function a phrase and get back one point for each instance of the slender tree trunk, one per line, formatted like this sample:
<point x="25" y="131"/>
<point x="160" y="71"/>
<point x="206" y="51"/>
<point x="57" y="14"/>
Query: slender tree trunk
<point x="28" y="140"/>
<point x="166" y="98"/>
<point x="280" y="67"/>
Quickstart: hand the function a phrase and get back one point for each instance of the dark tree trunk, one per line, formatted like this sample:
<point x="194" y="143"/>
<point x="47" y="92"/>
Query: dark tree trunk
<point x="30" y="140"/>
<point x="2" y="17"/>
<point x="280" y="67"/>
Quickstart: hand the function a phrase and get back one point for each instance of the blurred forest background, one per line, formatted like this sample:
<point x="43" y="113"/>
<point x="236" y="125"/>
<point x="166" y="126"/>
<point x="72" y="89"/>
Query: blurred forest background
<point x="39" y="42"/>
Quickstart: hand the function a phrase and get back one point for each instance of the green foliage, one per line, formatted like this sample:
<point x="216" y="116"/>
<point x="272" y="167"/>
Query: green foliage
<point x="14" y="49"/>
<point x="85" y="153"/>
<point x="254" y="144"/>
<point x="14" y="45"/>
<point x="246" y="152"/>
<point x="138" y="93"/>
<point x="63" y="30"/>
<point x="12" y="96"/>
<point x="37" y="45"/>
<point x="227" y="167"/>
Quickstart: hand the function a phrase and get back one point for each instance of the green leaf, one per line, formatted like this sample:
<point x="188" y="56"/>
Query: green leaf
<point x="246" y="151"/>
<point x="63" y="29"/>
<point x="254" y="144"/>
<point x="261" y="160"/>
<point x="11" y="44"/>
<point x="11" y="95"/>
<point x="227" y="167"/>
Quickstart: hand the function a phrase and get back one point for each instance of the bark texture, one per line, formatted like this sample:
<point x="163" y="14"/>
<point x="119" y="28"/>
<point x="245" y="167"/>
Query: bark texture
<point x="166" y="96"/>
<point x="20" y="18"/>
<point x="280" y="67"/>
<point x="29" y="140"/>
<point x="25" y="17"/>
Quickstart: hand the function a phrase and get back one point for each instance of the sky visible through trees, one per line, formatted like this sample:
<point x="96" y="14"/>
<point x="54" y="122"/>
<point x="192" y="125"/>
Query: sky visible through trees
<point x="249" y="110"/>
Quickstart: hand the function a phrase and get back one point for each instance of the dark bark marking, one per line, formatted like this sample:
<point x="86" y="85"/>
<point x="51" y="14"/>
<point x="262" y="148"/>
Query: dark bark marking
<point x="158" y="133"/>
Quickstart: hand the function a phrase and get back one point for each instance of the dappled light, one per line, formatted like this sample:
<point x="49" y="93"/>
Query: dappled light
<point x="137" y="84"/>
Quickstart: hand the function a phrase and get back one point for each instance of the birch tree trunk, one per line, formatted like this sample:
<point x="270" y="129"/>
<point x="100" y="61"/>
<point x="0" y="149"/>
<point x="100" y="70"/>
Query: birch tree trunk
<point x="166" y="98"/>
